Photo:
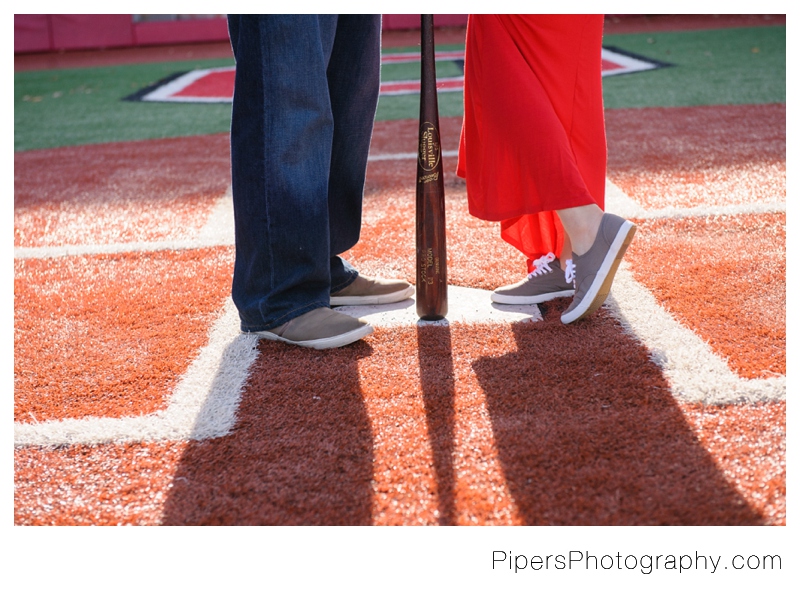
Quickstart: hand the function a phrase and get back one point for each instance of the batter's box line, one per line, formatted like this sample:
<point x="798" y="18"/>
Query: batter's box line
<point x="695" y="373"/>
<point x="218" y="231"/>
<point x="205" y="401"/>
<point x="203" y="404"/>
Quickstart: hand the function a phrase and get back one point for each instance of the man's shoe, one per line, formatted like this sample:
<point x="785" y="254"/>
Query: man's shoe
<point x="545" y="282"/>
<point x="321" y="328"/>
<point x="364" y="291"/>
<point x="595" y="269"/>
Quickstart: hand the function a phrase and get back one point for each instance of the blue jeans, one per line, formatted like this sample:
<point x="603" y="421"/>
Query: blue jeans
<point x="304" y="104"/>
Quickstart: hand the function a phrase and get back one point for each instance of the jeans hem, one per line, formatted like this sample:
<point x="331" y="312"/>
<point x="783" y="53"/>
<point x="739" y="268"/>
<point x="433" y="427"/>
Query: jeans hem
<point x="293" y="314"/>
<point x="344" y="284"/>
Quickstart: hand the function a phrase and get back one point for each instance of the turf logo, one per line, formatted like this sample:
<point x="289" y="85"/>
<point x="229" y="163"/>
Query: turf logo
<point x="215" y="85"/>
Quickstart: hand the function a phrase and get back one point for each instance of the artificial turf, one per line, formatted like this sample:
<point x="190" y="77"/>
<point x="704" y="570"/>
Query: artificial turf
<point x="738" y="66"/>
<point x="70" y="107"/>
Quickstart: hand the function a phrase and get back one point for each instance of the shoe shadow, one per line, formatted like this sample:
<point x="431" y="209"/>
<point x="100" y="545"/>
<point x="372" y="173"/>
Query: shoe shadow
<point x="588" y="432"/>
<point x="301" y="451"/>
<point x="368" y="309"/>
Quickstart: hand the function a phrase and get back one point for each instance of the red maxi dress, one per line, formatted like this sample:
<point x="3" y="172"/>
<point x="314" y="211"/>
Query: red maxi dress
<point x="533" y="137"/>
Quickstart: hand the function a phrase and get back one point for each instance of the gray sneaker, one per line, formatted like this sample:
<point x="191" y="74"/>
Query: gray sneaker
<point x="595" y="269"/>
<point x="321" y="328"/>
<point x="545" y="282"/>
<point x="364" y="290"/>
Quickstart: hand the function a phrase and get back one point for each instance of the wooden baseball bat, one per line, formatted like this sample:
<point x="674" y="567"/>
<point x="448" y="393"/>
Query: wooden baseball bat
<point x="431" y="248"/>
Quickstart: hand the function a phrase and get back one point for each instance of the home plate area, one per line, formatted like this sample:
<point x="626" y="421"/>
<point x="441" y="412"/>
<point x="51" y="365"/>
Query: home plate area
<point x="465" y="305"/>
<point x="137" y="399"/>
<point x="497" y="415"/>
<point x="164" y="413"/>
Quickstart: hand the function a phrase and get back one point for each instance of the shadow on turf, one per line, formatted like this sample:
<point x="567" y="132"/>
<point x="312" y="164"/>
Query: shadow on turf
<point x="301" y="451"/>
<point x="588" y="432"/>
<point x="438" y="395"/>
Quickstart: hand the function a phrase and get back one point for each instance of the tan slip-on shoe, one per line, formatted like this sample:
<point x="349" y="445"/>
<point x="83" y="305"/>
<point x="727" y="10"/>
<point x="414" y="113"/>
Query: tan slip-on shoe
<point x="546" y="282"/>
<point x="595" y="269"/>
<point x="364" y="290"/>
<point x="321" y="328"/>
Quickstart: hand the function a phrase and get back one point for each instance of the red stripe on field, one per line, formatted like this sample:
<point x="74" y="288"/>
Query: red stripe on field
<point x="213" y="84"/>
<point x="412" y="86"/>
<point x="219" y="83"/>
<point x="609" y="65"/>
<point x="399" y="58"/>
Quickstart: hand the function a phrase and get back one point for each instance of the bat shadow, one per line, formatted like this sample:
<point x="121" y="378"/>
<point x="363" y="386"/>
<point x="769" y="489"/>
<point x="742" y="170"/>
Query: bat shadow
<point x="438" y="392"/>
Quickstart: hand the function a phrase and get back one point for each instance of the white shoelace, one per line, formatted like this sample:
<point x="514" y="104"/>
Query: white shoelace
<point x="541" y="265"/>
<point x="569" y="271"/>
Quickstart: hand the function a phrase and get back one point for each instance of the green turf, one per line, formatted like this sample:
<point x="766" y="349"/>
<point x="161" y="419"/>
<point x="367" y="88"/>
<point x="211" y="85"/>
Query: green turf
<point x="439" y="47"/>
<point x="404" y="106"/>
<point x="715" y="67"/>
<point x="80" y="106"/>
<point x="407" y="106"/>
<point x="84" y="105"/>
<point x="411" y="71"/>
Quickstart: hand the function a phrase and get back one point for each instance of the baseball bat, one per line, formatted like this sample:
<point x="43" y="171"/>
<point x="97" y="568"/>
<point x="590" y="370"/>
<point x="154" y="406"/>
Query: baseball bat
<point x="431" y="247"/>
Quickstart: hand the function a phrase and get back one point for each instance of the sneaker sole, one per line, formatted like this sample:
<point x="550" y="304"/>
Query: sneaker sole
<point x="368" y="300"/>
<point x="601" y="286"/>
<point x="325" y="342"/>
<point x="504" y="299"/>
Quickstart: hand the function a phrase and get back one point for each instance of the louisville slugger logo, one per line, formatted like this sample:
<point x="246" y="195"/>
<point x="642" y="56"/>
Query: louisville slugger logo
<point x="429" y="148"/>
<point x="428" y="178"/>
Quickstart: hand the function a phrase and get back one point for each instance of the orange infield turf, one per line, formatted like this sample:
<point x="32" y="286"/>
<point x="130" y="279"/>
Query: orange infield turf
<point x="480" y="422"/>
<point x="109" y="335"/>
<point x="411" y="426"/>
<point x="118" y="193"/>
<point x="699" y="156"/>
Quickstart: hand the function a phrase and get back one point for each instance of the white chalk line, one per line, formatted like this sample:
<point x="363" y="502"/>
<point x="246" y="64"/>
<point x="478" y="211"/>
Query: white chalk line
<point x="617" y="201"/>
<point x="202" y="406"/>
<point x="218" y="231"/>
<point x="696" y="374"/>
<point x="466" y="305"/>
<point x="205" y="401"/>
